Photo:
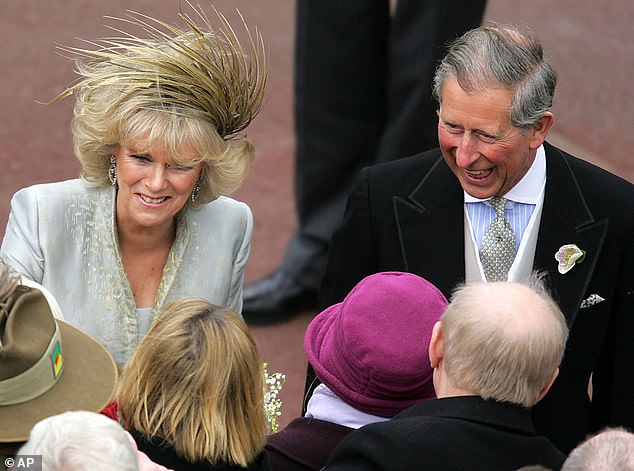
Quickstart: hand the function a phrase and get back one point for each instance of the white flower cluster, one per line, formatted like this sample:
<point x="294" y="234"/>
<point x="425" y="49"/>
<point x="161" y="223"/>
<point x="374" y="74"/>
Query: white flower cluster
<point x="272" y="404"/>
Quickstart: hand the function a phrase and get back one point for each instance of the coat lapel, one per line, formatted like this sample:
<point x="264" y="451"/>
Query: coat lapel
<point x="430" y="223"/>
<point x="430" y="227"/>
<point x="566" y="219"/>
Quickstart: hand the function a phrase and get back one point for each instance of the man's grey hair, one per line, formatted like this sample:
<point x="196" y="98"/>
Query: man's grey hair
<point x="81" y="441"/>
<point x="610" y="450"/>
<point x="502" y="56"/>
<point x="503" y="341"/>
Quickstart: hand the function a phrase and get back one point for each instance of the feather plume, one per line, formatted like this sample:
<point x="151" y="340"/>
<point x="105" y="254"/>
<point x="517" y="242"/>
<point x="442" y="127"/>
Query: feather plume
<point x="198" y="71"/>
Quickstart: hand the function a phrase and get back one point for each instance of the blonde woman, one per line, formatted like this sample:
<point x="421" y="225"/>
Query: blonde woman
<point x="192" y="393"/>
<point x="156" y="129"/>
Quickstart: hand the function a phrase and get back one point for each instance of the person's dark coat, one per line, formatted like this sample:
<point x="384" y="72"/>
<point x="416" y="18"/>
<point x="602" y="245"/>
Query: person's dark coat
<point x="305" y="444"/>
<point x="451" y="434"/>
<point x="408" y="215"/>
<point x="161" y="452"/>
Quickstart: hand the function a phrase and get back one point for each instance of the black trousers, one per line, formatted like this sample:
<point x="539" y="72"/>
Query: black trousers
<point x="363" y="94"/>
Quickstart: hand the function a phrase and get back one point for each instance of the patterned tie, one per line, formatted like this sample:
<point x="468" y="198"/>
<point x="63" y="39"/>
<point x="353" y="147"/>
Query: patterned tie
<point x="498" y="245"/>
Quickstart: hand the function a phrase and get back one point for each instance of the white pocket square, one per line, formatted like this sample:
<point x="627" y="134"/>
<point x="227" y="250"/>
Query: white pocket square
<point x="591" y="301"/>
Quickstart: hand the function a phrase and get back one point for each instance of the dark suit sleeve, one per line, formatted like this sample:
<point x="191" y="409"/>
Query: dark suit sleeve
<point x="368" y="449"/>
<point x="352" y="254"/>
<point x="613" y="378"/>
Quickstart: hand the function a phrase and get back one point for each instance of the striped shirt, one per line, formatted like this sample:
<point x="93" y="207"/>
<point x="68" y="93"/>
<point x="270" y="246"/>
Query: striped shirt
<point x="522" y="200"/>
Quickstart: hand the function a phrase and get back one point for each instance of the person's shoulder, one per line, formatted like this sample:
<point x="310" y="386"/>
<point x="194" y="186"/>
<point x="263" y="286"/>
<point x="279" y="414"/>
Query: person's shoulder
<point x="55" y="188"/>
<point x="433" y="416"/>
<point x="605" y="195"/>
<point x="54" y="194"/>
<point x="398" y="443"/>
<point x="417" y="163"/>
<point x="223" y="205"/>
<point x="401" y="176"/>
<point x="591" y="177"/>
<point x="303" y="430"/>
<point x="222" y="214"/>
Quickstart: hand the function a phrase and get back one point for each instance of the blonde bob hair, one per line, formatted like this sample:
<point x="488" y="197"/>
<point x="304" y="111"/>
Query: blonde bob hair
<point x="194" y="86"/>
<point x="196" y="381"/>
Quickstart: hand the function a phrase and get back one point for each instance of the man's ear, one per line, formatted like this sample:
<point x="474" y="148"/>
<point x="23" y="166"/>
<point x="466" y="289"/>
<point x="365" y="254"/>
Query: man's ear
<point x="435" y="345"/>
<point x="550" y="383"/>
<point x="539" y="130"/>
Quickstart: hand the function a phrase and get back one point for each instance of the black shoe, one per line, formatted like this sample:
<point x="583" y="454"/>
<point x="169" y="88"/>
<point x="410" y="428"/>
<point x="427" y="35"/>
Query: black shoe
<point x="275" y="299"/>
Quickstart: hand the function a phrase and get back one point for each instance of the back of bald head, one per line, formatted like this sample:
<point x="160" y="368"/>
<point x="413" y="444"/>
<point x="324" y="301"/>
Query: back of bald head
<point x="503" y="341"/>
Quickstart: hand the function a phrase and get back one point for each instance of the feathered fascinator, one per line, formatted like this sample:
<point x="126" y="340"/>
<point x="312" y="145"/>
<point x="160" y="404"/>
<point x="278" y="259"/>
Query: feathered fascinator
<point x="198" y="71"/>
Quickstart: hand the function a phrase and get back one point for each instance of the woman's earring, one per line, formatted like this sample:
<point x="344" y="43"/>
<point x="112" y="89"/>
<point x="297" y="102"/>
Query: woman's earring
<point x="112" y="171"/>
<point x="195" y="192"/>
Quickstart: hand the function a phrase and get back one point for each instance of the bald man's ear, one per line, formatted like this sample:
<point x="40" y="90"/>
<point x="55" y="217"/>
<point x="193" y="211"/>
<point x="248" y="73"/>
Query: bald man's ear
<point x="435" y="345"/>
<point x="548" y="386"/>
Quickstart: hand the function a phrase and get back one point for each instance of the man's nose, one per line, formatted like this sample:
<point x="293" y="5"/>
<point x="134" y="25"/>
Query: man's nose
<point x="467" y="150"/>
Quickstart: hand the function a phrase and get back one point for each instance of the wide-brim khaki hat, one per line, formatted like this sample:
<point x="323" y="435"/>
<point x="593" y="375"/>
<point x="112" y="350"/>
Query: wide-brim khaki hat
<point x="88" y="382"/>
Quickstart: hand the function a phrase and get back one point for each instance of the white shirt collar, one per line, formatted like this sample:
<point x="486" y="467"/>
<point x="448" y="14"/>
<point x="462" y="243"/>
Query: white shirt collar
<point x="528" y="189"/>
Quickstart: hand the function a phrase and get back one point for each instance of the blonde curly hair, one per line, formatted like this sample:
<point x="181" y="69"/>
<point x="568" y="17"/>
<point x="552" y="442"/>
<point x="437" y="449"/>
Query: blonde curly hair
<point x="194" y="86"/>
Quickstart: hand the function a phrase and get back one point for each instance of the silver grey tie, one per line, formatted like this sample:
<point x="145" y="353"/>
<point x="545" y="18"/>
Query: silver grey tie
<point x="498" y="245"/>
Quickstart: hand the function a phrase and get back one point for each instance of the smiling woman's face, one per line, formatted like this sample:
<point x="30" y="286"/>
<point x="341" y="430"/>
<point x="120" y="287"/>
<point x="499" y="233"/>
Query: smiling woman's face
<point x="151" y="191"/>
<point x="480" y="145"/>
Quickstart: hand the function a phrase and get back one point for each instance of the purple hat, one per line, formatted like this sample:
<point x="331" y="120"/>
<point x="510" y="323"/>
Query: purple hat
<point x="371" y="350"/>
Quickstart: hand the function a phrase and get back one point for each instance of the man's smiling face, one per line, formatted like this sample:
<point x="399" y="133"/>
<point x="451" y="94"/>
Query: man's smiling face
<point x="480" y="145"/>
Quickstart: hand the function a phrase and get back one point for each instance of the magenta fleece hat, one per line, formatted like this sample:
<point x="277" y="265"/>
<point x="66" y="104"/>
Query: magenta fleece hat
<point x="371" y="350"/>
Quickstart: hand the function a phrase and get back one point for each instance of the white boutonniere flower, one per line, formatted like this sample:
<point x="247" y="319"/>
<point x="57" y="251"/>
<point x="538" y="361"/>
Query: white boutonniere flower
<point x="567" y="256"/>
